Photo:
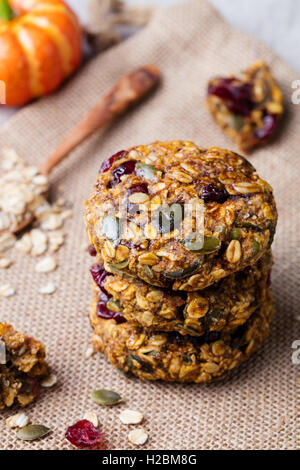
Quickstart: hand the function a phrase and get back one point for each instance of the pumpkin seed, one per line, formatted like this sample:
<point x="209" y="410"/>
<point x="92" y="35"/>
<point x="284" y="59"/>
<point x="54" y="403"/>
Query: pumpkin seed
<point x="6" y="12"/>
<point x="32" y="432"/>
<point x="210" y="244"/>
<point x="130" y="363"/>
<point x="114" y="305"/>
<point x="188" y="329"/>
<point x="148" y="272"/>
<point x="236" y="122"/>
<point x="111" y="227"/>
<point x="204" y="245"/>
<point x="253" y="227"/>
<point x="121" y="265"/>
<point x="147" y="172"/>
<point x="119" y="272"/>
<point x="169" y="218"/>
<point x="183" y="272"/>
<point x="256" y="247"/>
<point x="236" y="233"/>
<point x="138" y="437"/>
<point x="106" y="397"/>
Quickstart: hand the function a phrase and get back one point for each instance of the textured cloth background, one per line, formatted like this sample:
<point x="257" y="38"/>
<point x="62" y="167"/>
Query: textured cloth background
<point x="256" y="408"/>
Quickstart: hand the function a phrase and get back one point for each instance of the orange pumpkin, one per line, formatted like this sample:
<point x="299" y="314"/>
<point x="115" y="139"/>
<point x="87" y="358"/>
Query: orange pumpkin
<point x="38" y="49"/>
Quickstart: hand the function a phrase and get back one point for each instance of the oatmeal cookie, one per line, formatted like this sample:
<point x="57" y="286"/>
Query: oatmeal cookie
<point x="223" y="306"/>
<point x="22" y="366"/>
<point x="173" y="357"/>
<point x="179" y="216"/>
<point x="247" y="108"/>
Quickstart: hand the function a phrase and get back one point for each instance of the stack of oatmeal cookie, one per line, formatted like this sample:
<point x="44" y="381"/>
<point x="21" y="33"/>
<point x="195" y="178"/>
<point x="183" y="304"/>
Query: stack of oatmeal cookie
<point x="182" y="237"/>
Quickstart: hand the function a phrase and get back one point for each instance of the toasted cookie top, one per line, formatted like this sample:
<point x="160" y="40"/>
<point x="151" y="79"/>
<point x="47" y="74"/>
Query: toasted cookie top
<point x="177" y="215"/>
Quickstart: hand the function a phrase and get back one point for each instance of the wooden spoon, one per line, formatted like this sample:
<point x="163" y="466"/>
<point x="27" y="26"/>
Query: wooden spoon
<point x="127" y="91"/>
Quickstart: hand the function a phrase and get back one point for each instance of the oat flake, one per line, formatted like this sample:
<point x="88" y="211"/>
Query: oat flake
<point x="92" y="417"/>
<point x="5" y="263"/>
<point x="18" y="420"/>
<point x="49" y="381"/>
<point x="24" y="244"/>
<point x="39" y="242"/>
<point x="138" y="436"/>
<point x="6" y="290"/>
<point x="131" y="417"/>
<point x="46" y="265"/>
<point x="47" y="289"/>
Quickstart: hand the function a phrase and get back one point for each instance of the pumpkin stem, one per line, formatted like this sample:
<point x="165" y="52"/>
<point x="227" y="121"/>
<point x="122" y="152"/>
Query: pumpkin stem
<point x="6" y="13"/>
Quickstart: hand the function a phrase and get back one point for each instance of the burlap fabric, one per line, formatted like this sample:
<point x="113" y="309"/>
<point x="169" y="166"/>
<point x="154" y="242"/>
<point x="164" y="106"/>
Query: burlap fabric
<point x="257" y="407"/>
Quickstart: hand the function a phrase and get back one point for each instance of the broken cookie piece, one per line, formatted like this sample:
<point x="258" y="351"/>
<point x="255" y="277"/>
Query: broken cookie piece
<point x="22" y="366"/>
<point x="247" y="108"/>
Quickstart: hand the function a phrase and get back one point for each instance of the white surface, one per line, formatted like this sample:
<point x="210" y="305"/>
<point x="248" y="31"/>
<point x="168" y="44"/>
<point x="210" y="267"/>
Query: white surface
<point x="276" y="22"/>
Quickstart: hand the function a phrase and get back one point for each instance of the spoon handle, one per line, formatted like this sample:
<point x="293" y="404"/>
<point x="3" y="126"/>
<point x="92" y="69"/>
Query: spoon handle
<point x="126" y="92"/>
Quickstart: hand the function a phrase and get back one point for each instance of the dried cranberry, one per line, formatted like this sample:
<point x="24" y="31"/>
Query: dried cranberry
<point x="126" y="168"/>
<point x="238" y="97"/>
<point x="104" y="312"/>
<point x="222" y="89"/>
<point x="213" y="192"/>
<point x="99" y="275"/>
<point x="131" y="245"/>
<point x="107" y="164"/>
<point x="92" y="250"/>
<point x="118" y="317"/>
<point x="138" y="188"/>
<point x="33" y="384"/>
<point x="269" y="122"/>
<point x="83" y="434"/>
